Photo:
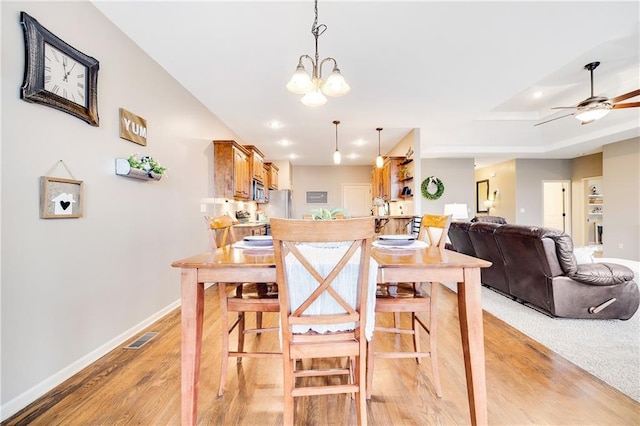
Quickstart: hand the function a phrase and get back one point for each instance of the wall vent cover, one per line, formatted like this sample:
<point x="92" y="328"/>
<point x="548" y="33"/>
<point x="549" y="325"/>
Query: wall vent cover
<point x="141" y="340"/>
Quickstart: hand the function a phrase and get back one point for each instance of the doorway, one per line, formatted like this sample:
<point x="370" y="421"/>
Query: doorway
<point x="356" y="199"/>
<point x="556" y="205"/>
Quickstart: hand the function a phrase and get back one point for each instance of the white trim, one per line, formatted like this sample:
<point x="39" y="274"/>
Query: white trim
<point x="21" y="401"/>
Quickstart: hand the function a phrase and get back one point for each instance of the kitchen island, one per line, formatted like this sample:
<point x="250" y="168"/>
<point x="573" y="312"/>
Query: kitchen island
<point x="394" y="224"/>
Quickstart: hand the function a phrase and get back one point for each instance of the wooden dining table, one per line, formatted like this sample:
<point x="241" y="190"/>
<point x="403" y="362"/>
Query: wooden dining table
<point x="233" y="265"/>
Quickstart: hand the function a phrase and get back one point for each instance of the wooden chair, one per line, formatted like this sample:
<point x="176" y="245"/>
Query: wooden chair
<point x="245" y="297"/>
<point x="307" y="281"/>
<point x="409" y="297"/>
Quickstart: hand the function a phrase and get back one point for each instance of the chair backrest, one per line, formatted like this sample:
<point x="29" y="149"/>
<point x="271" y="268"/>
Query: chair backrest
<point x="434" y="229"/>
<point x="322" y="272"/>
<point x="216" y="224"/>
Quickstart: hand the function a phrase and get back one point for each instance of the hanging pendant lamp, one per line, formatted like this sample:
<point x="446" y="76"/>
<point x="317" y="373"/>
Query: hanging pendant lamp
<point x="336" y="155"/>
<point x="379" y="159"/>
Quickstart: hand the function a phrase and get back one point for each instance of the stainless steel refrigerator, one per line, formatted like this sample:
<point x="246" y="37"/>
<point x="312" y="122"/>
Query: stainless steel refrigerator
<point x="280" y="204"/>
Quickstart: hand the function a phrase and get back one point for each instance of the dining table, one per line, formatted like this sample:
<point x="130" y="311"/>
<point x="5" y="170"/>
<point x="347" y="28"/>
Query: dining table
<point x="230" y="264"/>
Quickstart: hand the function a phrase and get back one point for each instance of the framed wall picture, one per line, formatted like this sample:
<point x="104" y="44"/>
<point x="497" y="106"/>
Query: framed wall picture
<point x="60" y="198"/>
<point x="482" y="195"/>
<point x="316" y="197"/>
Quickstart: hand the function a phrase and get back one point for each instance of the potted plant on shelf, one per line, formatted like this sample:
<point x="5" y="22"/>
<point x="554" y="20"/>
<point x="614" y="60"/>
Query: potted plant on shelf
<point x="145" y="167"/>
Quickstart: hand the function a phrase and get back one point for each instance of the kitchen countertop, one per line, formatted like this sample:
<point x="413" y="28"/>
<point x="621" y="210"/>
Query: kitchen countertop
<point x="252" y="224"/>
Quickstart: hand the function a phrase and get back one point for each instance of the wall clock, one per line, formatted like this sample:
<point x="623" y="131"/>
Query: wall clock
<point x="58" y="75"/>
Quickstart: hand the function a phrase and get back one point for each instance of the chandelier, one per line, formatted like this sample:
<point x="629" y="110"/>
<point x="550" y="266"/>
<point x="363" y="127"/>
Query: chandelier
<point x="313" y="87"/>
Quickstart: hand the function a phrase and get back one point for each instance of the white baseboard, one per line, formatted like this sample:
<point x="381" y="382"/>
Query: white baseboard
<point x="21" y="401"/>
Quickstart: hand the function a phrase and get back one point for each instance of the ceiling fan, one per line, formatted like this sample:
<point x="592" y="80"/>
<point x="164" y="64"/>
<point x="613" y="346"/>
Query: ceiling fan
<point x="596" y="107"/>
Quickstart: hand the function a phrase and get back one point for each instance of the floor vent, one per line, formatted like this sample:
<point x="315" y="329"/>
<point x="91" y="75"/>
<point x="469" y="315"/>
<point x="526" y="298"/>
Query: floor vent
<point x="141" y="341"/>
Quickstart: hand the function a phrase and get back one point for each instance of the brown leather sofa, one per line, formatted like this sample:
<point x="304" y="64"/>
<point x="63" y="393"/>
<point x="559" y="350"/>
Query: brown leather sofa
<point x="536" y="266"/>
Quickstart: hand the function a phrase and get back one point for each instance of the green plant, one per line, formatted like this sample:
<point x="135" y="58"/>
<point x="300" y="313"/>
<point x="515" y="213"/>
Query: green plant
<point x="146" y="163"/>
<point x="327" y="214"/>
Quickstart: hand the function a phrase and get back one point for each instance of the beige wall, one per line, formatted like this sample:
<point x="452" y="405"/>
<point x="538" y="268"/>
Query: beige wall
<point x="621" y="182"/>
<point x="325" y="178"/>
<point x="501" y="176"/>
<point x="73" y="289"/>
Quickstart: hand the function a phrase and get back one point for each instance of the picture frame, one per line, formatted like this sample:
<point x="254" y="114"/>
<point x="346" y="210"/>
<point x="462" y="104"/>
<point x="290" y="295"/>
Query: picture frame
<point x="75" y="93"/>
<point x="482" y="195"/>
<point x="316" y="197"/>
<point x="60" y="198"/>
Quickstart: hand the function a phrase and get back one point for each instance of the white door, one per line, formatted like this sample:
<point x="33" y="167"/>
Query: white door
<point x="556" y="205"/>
<point x="356" y="199"/>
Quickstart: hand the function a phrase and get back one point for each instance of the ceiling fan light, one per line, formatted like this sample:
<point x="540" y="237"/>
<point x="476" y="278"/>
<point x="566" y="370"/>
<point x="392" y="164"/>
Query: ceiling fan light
<point x="336" y="157"/>
<point x="300" y="82"/>
<point x="315" y="98"/>
<point x="335" y="84"/>
<point x="591" y="115"/>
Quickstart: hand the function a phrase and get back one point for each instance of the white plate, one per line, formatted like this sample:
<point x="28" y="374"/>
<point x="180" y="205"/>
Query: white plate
<point x="258" y="240"/>
<point x="395" y="243"/>
<point x="397" y="237"/>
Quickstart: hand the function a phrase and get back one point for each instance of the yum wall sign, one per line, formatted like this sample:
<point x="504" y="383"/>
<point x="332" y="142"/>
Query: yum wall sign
<point x="133" y="128"/>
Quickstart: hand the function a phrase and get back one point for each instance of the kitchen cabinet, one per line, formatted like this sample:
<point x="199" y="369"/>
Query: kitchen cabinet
<point x="231" y="160"/>
<point x="391" y="225"/>
<point x="390" y="181"/>
<point x="256" y="163"/>
<point x="272" y="175"/>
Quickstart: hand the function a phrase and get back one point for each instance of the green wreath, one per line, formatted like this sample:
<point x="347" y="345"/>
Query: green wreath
<point x="425" y="188"/>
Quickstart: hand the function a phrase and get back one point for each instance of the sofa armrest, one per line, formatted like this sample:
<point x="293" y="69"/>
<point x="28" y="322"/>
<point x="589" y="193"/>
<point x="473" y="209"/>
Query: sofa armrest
<point x="602" y="274"/>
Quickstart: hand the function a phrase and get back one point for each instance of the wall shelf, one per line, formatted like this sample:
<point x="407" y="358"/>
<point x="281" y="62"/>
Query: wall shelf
<point x="123" y="168"/>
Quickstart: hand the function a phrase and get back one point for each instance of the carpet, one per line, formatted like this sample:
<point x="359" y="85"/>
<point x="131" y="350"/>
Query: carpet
<point x="608" y="349"/>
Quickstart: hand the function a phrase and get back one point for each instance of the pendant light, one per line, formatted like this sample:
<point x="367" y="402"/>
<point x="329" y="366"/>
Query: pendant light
<point x="336" y="155"/>
<point x="312" y="86"/>
<point x="379" y="159"/>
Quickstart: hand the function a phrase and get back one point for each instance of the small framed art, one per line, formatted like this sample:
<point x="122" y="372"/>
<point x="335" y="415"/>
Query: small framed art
<point x="60" y="198"/>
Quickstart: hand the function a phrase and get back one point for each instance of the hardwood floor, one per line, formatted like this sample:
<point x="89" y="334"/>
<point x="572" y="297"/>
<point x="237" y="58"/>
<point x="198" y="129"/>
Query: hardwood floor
<point x="527" y="384"/>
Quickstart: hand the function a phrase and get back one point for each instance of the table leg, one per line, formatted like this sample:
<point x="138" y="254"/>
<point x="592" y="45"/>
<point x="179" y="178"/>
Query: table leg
<point x="192" y="298"/>
<point x="470" y="312"/>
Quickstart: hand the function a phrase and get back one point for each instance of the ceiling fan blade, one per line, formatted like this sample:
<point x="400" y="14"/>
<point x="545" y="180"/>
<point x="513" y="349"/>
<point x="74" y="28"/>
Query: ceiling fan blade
<point x="626" y="96"/>
<point x="553" y="119"/>
<point x="627" y="105"/>
<point x="564" y="107"/>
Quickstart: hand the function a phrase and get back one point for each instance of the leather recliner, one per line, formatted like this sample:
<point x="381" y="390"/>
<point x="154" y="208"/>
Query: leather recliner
<point x="541" y="270"/>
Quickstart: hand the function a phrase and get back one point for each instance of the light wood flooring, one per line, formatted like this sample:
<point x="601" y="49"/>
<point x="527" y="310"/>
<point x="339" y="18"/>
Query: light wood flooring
<point x="527" y="384"/>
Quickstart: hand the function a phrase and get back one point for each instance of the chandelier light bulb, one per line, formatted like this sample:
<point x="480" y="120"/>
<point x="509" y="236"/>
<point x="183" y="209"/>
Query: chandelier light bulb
<point x="300" y="82"/>
<point x="335" y="84"/>
<point x="315" y="98"/>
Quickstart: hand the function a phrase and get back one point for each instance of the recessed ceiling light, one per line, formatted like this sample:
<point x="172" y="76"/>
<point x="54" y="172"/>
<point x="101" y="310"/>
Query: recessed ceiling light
<point x="293" y="156"/>
<point x="537" y="94"/>
<point x="353" y="156"/>
<point x="274" y="124"/>
<point x="360" y="142"/>
<point x="285" y="142"/>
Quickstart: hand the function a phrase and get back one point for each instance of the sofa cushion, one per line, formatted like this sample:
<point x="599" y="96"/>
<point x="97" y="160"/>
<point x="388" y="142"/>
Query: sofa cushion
<point x="602" y="274"/>
<point x="489" y="219"/>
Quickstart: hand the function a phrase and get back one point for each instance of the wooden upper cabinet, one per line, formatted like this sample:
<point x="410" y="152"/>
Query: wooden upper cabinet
<point x="231" y="170"/>
<point x="256" y="163"/>
<point x="272" y="175"/>
<point x="388" y="182"/>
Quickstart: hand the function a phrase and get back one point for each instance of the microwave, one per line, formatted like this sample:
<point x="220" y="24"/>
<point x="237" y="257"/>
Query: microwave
<point x="258" y="191"/>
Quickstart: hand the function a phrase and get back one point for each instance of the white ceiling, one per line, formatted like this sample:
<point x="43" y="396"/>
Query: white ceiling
<point x="464" y="73"/>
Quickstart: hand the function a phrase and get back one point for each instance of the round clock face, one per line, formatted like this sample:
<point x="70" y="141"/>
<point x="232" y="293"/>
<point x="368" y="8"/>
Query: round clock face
<point x="64" y="76"/>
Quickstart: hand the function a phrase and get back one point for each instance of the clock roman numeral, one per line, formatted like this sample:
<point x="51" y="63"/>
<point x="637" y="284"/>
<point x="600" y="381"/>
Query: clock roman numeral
<point x="47" y="78"/>
<point x="55" y="56"/>
<point x="64" y="93"/>
<point x="81" y="85"/>
<point x="55" y="89"/>
<point x="80" y="75"/>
